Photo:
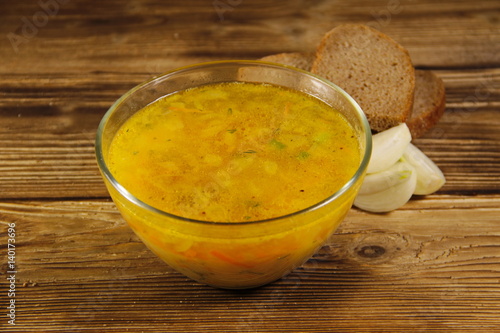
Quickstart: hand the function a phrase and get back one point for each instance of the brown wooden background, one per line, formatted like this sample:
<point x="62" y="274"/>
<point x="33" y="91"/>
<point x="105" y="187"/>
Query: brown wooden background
<point x="432" y="266"/>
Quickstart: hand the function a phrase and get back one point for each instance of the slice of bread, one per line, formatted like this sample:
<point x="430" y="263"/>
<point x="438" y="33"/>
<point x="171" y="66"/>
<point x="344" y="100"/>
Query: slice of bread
<point x="429" y="103"/>
<point x="375" y="70"/>
<point x="429" y="97"/>
<point x="299" y="60"/>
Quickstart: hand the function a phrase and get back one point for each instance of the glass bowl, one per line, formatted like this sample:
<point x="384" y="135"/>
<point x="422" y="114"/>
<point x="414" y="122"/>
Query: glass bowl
<point x="233" y="255"/>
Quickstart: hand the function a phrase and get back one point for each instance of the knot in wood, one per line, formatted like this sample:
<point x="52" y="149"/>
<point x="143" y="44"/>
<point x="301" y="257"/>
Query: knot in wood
<point x="371" y="251"/>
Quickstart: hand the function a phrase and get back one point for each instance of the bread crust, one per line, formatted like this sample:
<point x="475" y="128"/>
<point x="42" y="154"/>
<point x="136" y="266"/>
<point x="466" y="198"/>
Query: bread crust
<point x="370" y="66"/>
<point x="426" y="99"/>
<point x="299" y="60"/>
<point x="429" y="104"/>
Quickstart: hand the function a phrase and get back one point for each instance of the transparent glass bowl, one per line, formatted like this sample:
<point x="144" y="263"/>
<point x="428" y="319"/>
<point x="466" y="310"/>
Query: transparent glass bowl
<point x="241" y="254"/>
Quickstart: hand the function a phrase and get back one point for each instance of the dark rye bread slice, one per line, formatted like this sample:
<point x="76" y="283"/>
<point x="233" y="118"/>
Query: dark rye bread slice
<point x="429" y="103"/>
<point x="429" y="97"/>
<point x="371" y="67"/>
<point x="299" y="60"/>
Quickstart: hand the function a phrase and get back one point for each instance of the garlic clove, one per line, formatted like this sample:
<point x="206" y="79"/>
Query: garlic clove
<point x="395" y="187"/>
<point x="429" y="177"/>
<point x="380" y="181"/>
<point x="388" y="147"/>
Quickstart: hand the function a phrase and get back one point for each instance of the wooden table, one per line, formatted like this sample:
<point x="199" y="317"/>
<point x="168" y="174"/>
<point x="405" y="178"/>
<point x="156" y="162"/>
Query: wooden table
<point x="433" y="265"/>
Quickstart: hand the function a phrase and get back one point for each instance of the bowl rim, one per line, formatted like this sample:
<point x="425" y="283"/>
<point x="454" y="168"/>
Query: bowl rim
<point x="136" y="201"/>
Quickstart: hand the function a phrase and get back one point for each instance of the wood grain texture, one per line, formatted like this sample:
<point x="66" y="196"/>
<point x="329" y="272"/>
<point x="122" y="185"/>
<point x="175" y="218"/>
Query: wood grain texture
<point x="59" y="150"/>
<point x="158" y="35"/>
<point x="81" y="266"/>
<point x="431" y="266"/>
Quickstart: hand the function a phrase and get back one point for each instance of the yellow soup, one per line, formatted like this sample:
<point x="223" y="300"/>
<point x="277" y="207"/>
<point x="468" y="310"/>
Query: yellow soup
<point x="231" y="153"/>
<point x="234" y="152"/>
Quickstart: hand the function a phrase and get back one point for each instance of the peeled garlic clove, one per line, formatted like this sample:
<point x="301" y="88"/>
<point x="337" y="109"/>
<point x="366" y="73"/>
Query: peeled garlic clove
<point x="395" y="189"/>
<point x="388" y="147"/>
<point x="380" y="181"/>
<point x="429" y="177"/>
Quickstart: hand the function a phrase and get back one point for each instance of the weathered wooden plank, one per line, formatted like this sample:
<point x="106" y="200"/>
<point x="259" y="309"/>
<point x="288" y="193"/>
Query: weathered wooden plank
<point x="431" y="266"/>
<point x="422" y="268"/>
<point x="110" y="35"/>
<point x="48" y="131"/>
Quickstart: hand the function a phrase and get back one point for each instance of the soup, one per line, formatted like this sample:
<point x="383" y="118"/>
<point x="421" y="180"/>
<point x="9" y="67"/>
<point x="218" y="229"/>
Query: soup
<point x="229" y="165"/>
<point x="234" y="152"/>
